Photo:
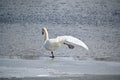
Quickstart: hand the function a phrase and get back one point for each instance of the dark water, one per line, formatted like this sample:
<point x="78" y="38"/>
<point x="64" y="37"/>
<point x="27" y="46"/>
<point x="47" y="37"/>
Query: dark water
<point x="95" y="12"/>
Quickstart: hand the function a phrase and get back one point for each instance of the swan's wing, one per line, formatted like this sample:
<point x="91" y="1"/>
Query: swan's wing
<point x="73" y="40"/>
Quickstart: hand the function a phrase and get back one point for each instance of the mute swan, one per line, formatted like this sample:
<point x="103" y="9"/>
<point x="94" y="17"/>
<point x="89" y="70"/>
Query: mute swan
<point x="53" y="44"/>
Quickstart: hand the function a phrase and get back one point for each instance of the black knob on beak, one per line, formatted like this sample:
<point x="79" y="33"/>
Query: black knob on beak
<point x="42" y="33"/>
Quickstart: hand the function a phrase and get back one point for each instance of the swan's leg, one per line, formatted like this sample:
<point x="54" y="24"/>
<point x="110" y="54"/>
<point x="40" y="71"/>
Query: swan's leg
<point x="52" y="55"/>
<point x="69" y="45"/>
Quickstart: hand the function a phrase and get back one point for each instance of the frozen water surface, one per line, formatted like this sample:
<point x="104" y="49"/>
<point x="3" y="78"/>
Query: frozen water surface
<point x="58" y="67"/>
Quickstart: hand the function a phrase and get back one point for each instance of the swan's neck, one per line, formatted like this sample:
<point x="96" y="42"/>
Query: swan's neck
<point x="46" y="34"/>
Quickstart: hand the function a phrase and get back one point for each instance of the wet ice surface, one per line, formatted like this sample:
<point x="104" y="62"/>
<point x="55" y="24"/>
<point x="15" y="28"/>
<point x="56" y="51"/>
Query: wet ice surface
<point x="64" y="67"/>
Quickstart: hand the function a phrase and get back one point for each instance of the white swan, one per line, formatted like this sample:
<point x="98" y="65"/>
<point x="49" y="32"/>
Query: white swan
<point x="53" y="44"/>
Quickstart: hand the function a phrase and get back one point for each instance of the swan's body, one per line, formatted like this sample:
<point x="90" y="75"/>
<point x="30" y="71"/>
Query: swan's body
<point x="53" y="44"/>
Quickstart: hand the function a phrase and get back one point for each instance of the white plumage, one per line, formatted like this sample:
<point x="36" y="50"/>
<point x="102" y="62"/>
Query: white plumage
<point x="53" y="44"/>
<point x="73" y="40"/>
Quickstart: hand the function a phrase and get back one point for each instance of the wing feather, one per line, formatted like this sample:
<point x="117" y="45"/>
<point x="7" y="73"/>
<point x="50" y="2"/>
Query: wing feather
<point x="73" y="40"/>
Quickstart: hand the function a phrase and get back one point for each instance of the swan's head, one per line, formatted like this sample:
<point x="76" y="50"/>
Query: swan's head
<point x="43" y="30"/>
